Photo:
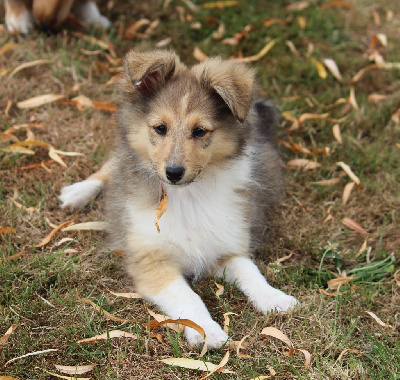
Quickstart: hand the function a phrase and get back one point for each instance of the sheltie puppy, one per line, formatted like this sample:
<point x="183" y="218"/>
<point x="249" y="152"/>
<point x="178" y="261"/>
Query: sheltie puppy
<point x="198" y="135"/>
<point x="22" y="15"/>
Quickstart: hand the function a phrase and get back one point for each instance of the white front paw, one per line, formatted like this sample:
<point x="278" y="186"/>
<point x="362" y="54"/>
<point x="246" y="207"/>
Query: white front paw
<point x="102" y="22"/>
<point x="216" y="337"/>
<point x="78" y="195"/>
<point x="274" y="300"/>
<point x="19" y="23"/>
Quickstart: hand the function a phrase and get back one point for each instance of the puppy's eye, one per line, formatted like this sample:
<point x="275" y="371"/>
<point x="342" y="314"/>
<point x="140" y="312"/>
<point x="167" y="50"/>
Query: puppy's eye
<point x="198" y="132"/>
<point x="161" y="129"/>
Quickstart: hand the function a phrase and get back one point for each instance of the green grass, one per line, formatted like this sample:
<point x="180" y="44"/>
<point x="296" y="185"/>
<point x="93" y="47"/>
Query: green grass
<point x="41" y="290"/>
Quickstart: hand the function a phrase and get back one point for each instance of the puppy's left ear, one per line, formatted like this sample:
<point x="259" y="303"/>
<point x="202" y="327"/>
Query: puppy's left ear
<point x="233" y="81"/>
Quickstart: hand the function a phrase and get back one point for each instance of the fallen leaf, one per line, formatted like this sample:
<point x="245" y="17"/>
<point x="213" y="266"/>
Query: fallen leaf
<point x="7" y="230"/>
<point x="193" y="364"/>
<point x="16" y="255"/>
<point x="320" y="68"/>
<point x="307" y="355"/>
<point x="347" y="191"/>
<point x="396" y="277"/>
<point x="7" y="47"/>
<point x="352" y="99"/>
<point x="87" y="226"/>
<point x="164" y="42"/>
<point x="219" y="367"/>
<point x="299" y="6"/>
<point x="336" y="133"/>
<point x="198" y="54"/>
<point x="227" y="321"/>
<point x="337" y="282"/>
<point x="271" y="21"/>
<point x="376" y="17"/>
<point x="303" y="163"/>
<point x="292" y="48"/>
<point x="352" y="350"/>
<point x="29" y="354"/>
<point x="378" y="320"/>
<point x="332" y="67"/>
<point x="335" y="4"/>
<point x="75" y="370"/>
<point x="332" y="295"/>
<point x="284" y="258"/>
<point x="360" y="74"/>
<point x="30" y="64"/>
<point x="354" y="226"/>
<point x="103" y="106"/>
<point x="62" y="376"/>
<point x="8" y="378"/>
<point x="161" y="318"/>
<point x="260" y="54"/>
<point x="18" y="149"/>
<point x="161" y="208"/>
<point x="293" y="119"/>
<point x="327" y="182"/>
<point x="104" y="312"/>
<point x="39" y="100"/>
<point x="377" y="98"/>
<point x="349" y="172"/>
<point x="301" y="20"/>
<point x="108" y="335"/>
<point x="379" y="37"/>
<point x="219" y="4"/>
<point x="363" y="248"/>
<point x="54" y="156"/>
<point x="274" y="332"/>
<point x="312" y="116"/>
<point x="94" y="41"/>
<point x="6" y="336"/>
<point x="127" y="295"/>
<point x="220" y="290"/>
<point x="48" y="238"/>
<point x="239" y="346"/>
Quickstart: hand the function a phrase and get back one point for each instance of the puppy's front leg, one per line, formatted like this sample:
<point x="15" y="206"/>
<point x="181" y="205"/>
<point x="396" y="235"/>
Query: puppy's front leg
<point x="264" y="297"/>
<point x="166" y="287"/>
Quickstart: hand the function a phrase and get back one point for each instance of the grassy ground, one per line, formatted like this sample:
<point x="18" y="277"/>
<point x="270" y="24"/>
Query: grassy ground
<point x="40" y="290"/>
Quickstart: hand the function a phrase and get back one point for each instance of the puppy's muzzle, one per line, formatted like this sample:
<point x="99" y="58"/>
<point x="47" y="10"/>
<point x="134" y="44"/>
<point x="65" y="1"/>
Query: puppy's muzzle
<point x="174" y="173"/>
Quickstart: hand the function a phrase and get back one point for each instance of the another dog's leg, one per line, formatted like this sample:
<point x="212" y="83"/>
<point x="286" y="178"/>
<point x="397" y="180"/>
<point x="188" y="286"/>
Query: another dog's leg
<point x="163" y="285"/>
<point x="19" y="17"/>
<point x="77" y="195"/>
<point x="252" y="283"/>
<point x="88" y="12"/>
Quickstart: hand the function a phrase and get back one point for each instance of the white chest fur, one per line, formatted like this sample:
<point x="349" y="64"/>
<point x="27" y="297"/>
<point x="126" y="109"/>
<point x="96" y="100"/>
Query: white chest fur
<point x="204" y="220"/>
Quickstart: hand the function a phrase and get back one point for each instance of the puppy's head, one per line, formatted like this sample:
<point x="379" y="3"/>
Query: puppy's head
<point x="182" y="122"/>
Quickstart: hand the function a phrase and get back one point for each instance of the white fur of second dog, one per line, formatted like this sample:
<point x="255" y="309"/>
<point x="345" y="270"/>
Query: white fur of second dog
<point x="89" y="12"/>
<point x="78" y="195"/>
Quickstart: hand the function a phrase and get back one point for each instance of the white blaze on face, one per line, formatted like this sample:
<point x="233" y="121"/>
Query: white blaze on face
<point x="184" y="103"/>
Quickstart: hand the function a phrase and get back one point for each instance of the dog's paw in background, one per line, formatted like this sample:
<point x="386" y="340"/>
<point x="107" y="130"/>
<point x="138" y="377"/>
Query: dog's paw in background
<point x="88" y="12"/>
<point x="78" y="195"/>
<point x="19" y="18"/>
<point x="216" y="337"/>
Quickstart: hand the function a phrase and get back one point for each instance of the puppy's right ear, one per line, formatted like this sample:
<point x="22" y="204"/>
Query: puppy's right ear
<point x="150" y="70"/>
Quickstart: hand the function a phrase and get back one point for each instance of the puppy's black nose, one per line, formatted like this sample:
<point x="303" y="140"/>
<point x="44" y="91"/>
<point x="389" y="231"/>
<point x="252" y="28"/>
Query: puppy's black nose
<point x="175" y="173"/>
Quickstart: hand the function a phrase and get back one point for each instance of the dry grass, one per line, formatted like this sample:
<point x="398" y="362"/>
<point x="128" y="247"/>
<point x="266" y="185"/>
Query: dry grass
<point x="40" y="290"/>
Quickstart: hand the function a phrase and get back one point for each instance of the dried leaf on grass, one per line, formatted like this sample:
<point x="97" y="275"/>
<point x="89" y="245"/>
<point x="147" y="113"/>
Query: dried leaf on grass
<point x="87" y="226"/>
<point x="274" y="332"/>
<point x="219" y="367"/>
<point x="328" y="294"/>
<point x="7" y="230"/>
<point x="7" y="47"/>
<point x="104" y="312"/>
<point x="327" y="182"/>
<point x="220" y="290"/>
<point x="263" y="377"/>
<point x="227" y="320"/>
<point x="303" y="163"/>
<point x="161" y="208"/>
<point x="352" y="99"/>
<point x="337" y="3"/>
<point x="8" y="378"/>
<point x="377" y="98"/>
<point x="239" y="346"/>
<point x="161" y="318"/>
<point x="301" y="20"/>
<point x="360" y="73"/>
<point x="354" y="226"/>
<point x="199" y="55"/>
<point x="333" y="68"/>
<point x="337" y="282"/>
<point x="94" y="41"/>
<point x="299" y="6"/>
<point x="29" y="354"/>
<point x="378" y="320"/>
<point x="62" y="376"/>
<point x="320" y="68"/>
<point x="48" y="238"/>
<point x="26" y="65"/>
<point x="307" y="355"/>
<point x="344" y="352"/>
<point x="126" y="295"/>
<point x="18" y="149"/>
<point x="349" y="172"/>
<point x="75" y="370"/>
<point x="284" y="258"/>
<point x="4" y="338"/>
<point x="108" y="335"/>
<point x="336" y="133"/>
<point x="347" y="191"/>
<point x="396" y="277"/>
<point x="193" y="364"/>
<point x="17" y="255"/>
<point x="260" y="54"/>
<point x="39" y="100"/>
<point x="293" y="119"/>
<point x="312" y="116"/>
<point x="219" y="4"/>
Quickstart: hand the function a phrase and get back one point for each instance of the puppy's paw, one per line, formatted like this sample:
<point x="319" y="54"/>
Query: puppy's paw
<point x="216" y="337"/>
<point x="21" y="22"/>
<point x="89" y="13"/>
<point x="78" y="195"/>
<point x="274" y="300"/>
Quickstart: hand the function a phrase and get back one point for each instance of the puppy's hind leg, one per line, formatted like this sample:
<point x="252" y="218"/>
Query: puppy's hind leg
<point x="265" y="298"/>
<point x="78" y="195"/>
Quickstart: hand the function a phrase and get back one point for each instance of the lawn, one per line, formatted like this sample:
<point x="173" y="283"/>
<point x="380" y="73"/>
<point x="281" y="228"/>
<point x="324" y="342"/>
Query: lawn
<point x="333" y="70"/>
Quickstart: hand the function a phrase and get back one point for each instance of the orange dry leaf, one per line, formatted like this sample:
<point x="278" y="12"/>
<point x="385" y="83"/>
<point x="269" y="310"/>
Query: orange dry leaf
<point x="337" y="134"/>
<point x="220" y="290"/>
<point x="307" y="355"/>
<point x="377" y="98"/>
<point x="161" y="318"/>
<point x="29" y="64"/>
<point x="7" y="230"/>
<point x="376" y="17"/>
<point x="284" y="258"/>
<point x="332" y="295"/>
<point x="354" y="226"/>
<point x="108" y="335"/>
<point x="219" y="4"/>
<point x="327" y="182"/>
<point x="272" y="21"/>
<point x="347" y="191"/>
<point x="378" y="320"/>
<point x="320" y="68"/>
<point x="293" y="119"/>
<point x="48" y="238"/>
<point x="37" y="165"/>
<point x="104" y="106"/>
<point x="396" y="277"/>
<point x="199" y="55"/>
<point x="104" y="312"/>
<point x="337" y="282"/>
<point x="17" y="255"/>
<point x="299" y="6"/>
<point x="349" y="172"/>
<point x="162" y="207"/>
<point x="359" y="75"/>
<point x="4" y="338"/>
<point x="219" y="367"/>
<point x="274" y="332"/>
<point x="303" y="163"/>
<point x="352" y="350"/>
<point x="308" y="116"/>
<point x="240" y="345"/>
<point x="39" y="100"/>
<point x="227" y="320"/>
<point x="337" y="3"/>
